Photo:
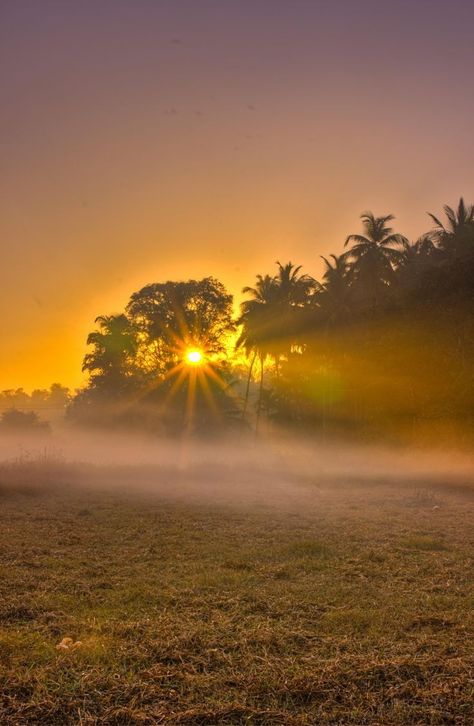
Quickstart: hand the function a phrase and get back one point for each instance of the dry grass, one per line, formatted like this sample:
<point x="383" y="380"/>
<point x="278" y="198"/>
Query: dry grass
<point x="355" y="608"/>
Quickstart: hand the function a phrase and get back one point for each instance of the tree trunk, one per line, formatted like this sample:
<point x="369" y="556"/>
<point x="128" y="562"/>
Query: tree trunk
<point x="259" y="406"/>
<point x="247" y="390"/>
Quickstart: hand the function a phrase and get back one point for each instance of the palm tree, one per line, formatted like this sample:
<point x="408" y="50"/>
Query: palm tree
<point x="373" y="255"/>
<point x="260" y="316"/>
<point x="417" y="263"/>
<point x="269" y="318"/>
<point x="295" y="295"/>
<point x="265" y="291"/>
<point x="415" y="252"/>
<point x="456" y="238"/>
<point x="256" y="323"/>
<point x="336" y="292"/>
<point x="293" y="289"/>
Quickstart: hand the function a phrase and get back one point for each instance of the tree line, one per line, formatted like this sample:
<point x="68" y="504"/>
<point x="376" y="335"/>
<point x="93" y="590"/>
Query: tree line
<point x="384" y="336"/>
<point x="386" y="333"/>
<point x="20" y="411"/>
<point x="56" y="398"/>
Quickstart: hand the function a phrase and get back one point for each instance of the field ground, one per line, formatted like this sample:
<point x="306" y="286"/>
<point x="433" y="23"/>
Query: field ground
<point x="350" y="605"/>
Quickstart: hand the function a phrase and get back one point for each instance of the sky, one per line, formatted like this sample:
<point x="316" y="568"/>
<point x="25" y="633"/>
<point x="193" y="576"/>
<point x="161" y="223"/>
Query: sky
<point x="145" y="140"/>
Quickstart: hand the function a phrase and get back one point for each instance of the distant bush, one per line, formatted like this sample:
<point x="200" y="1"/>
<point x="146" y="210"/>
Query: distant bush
<point x="14" y="421"/>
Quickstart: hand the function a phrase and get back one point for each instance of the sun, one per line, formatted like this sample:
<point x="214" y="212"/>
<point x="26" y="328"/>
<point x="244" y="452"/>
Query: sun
<point x="194" y="357"/>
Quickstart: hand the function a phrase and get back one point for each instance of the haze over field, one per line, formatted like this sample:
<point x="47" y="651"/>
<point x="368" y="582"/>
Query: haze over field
<point x="279" y="470"/>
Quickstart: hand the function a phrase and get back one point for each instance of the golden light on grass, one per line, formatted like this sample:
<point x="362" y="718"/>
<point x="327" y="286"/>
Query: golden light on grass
<point x="194" y="357"/>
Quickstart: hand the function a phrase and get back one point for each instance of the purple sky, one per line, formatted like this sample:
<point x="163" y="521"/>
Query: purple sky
<point x="147" y="139"/>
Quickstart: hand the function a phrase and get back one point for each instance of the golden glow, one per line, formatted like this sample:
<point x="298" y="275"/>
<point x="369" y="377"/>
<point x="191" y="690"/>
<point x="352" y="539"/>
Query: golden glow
<point x="194" y="357"/>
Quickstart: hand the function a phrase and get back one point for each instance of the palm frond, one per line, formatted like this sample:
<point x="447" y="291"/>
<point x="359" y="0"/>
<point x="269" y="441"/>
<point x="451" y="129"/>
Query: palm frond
<point x="358" y="238"/>
<point x="437" y="222"/>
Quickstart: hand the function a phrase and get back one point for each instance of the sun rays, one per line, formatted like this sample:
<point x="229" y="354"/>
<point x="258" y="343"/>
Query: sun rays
<point x="197" y="376"/>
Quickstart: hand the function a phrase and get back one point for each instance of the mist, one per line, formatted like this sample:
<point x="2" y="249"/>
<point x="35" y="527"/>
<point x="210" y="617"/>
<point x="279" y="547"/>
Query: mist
<point x="279" y="470"/>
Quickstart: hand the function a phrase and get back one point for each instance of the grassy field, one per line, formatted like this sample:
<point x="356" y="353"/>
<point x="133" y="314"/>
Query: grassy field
<point x="349" y="603"/>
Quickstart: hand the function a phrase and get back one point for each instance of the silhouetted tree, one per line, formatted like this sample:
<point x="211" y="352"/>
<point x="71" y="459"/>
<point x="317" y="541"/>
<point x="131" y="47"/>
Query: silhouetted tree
<point x="111" y="362"/>
<point x="173" y="316"/>
<point x="259" y="327"/>
<point x="415" y="266"/>
<point x="270" y="318"/>
<point x="294" y="290"/>
<point x="335" y="298"/>
<point x="456" y="237"/>
<point x="138" y="372"/>
<point x="373" y="257"/>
